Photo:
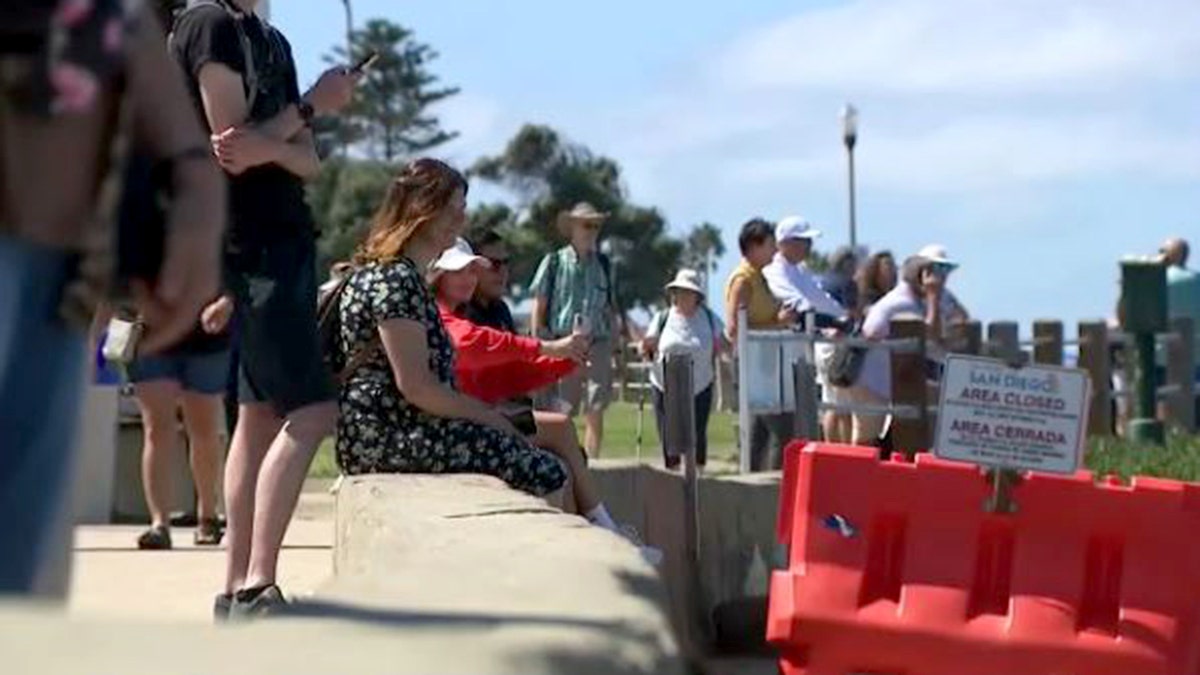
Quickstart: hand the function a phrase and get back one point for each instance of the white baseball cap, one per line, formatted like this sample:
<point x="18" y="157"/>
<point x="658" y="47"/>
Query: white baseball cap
<point x="936" y="253"/>
<point x="458" y="257"/>
<point x="795" y="227"/>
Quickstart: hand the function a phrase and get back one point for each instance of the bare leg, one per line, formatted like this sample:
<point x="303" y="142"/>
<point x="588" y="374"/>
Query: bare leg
<point x="203" y="415"/>
<point x="280" y="483"/>
<point x="594" y="427"/>
<point x="556" y="433"/>
<point x="159" y="402"/>
<point x="257" y="426"/>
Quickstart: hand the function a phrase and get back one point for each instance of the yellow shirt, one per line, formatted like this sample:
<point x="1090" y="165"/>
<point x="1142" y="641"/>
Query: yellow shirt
<point x="762" y="309"/>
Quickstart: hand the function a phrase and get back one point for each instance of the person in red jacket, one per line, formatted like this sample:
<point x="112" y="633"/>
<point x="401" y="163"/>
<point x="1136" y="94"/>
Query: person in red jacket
<point x="496" y="367"/>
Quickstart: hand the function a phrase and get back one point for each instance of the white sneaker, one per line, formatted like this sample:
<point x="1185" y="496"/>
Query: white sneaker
<point x="650" y="554"/>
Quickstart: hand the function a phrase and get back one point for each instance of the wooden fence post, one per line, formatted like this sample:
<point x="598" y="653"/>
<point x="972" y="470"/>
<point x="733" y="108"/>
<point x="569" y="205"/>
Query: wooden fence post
<point x="1094" y="357"/>
<point x="908" y="389"/>
<point x="1181" y="372"/>
<point x="1048" y="342"/>
<point x="680" y="430"/>
<point x="807" y="424"/>
<point x="1004" y="341"/>
<point x="966" y="337"/>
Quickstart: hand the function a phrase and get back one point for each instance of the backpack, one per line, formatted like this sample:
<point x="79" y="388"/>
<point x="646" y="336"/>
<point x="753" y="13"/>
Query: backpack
<point x="660" y="322"/>
<point x="250" y="77"/>
<point x="552" y="279"/>
<point x="329" y="329"/>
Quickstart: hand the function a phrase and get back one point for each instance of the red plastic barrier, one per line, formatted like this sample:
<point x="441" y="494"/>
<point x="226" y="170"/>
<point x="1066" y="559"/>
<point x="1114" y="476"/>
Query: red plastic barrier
<point x="896" y="569"/>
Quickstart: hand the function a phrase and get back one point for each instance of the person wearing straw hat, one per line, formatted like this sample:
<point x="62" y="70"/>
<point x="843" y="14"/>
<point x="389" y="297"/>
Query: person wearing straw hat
<point x="688" y="326"/>
<point x="573" y="290"/>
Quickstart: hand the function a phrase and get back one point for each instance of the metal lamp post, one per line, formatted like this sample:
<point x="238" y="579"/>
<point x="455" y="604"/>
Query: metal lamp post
<point x="850" y="138"/>
<point x="349" y="29"/>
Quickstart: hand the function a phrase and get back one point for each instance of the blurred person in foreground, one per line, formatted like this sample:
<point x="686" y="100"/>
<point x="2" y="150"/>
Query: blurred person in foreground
<point x="747" y="290"/>
<point x="80" y="83"/>
<point x="918" y="295"/>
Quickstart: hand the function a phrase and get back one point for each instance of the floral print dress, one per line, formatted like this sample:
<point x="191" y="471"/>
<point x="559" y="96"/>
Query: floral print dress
<point x="379" y="431"/>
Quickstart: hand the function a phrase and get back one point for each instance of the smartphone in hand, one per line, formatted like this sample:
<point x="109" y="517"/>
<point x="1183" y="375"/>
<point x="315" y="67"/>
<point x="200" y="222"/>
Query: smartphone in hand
<point x="364" y="65"/>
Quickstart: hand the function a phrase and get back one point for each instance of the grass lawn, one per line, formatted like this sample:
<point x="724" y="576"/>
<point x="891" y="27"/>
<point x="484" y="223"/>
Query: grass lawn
<point x="1179" y="459"/>
<point x="620" y="439"/>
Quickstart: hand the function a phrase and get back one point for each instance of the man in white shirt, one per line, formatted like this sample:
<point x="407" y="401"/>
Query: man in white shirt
<point x="788" y="276"/>
<point x="799" y="289"/>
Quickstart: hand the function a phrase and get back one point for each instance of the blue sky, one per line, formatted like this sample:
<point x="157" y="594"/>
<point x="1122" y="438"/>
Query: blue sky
<point x="1038" y="140"/>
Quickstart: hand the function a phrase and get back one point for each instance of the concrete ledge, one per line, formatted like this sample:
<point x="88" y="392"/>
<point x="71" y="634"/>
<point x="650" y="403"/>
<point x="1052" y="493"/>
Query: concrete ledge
<point x="527" y="588"/>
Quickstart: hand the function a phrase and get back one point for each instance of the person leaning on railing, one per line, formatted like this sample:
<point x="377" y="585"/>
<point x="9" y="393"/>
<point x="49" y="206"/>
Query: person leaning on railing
<point x="747" y="289"/>
<point x="918" y="294"/>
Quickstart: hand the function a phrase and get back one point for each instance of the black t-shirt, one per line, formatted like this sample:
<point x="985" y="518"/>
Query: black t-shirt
<point x="266" y="202"/>
<point x="492" y="315"/>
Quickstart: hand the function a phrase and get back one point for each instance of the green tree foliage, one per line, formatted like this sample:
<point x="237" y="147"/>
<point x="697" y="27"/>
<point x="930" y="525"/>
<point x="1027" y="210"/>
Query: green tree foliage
<point x="344" y="198"/>
<point x="549" y="174"/>
<point x="390" y="117"/>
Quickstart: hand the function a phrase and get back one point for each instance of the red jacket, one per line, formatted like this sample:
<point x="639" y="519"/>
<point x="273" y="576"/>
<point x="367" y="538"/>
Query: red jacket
<point x="493" y="365"/>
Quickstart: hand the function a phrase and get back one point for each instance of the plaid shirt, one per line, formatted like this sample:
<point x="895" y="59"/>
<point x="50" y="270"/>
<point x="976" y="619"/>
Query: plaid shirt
<point x="580" y="287"/>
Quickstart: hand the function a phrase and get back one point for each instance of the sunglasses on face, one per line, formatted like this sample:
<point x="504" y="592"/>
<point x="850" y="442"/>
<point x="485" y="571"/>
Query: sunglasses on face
<point x="497" y="263"/>
<point x="592" y="227"/>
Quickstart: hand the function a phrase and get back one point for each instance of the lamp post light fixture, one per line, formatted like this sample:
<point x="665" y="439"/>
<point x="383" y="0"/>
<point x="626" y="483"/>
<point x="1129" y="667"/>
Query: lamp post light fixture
<point x="850" y="138"/>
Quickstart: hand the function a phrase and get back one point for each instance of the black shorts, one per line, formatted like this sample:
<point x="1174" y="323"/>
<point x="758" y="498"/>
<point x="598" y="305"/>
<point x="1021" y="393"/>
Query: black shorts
<point x="275" y="289"/>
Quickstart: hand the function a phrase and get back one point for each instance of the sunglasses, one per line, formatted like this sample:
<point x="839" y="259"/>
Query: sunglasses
<point x="497" y="263"/>
<point x="593" y="227"/>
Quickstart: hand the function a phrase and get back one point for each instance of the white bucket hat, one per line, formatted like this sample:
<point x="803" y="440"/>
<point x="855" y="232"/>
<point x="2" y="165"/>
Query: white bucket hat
<point x="795" y="227"/>
<point x="458" y="258"/>
<point x="687" y="280"/>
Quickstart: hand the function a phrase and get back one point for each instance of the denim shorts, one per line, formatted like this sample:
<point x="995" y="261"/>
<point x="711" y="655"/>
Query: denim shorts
<point x="42" y="363"/>
<point x="198" y="373"/>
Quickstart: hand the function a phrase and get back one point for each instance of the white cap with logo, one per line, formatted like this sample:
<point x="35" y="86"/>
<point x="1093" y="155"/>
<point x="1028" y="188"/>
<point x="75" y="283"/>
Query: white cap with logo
<point x="795" y="227"/>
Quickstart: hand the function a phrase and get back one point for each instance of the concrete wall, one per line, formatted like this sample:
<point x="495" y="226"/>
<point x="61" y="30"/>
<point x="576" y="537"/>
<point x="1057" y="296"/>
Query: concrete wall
<point x="531" y="589"/>
<point x="737" y="546"/>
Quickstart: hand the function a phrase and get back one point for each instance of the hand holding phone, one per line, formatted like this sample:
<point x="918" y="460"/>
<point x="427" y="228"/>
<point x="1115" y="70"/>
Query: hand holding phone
<point x="365" y="64"/>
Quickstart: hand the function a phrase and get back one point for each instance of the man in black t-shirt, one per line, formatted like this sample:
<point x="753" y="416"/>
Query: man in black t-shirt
<point x="243" y="80"/>
<point x="488" y="307"/>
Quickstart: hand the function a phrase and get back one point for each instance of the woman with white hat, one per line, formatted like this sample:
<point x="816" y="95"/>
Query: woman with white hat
<point x="688" y="326"/>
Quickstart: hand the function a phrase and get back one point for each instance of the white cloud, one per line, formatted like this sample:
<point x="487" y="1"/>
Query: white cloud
<point x="957" y="95"/>
<point x="993" y="47"/>
<point x="980" y="153"/>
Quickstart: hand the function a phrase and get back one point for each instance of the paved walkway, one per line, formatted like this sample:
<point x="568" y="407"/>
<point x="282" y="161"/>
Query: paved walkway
<point x="111" y="578"/>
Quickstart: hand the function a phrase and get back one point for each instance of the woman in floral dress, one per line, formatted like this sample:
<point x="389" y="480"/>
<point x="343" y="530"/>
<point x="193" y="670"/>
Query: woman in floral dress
<point x="401" y="411"/>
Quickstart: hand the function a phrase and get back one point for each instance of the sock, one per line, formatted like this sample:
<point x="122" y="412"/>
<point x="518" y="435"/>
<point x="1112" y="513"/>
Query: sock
<point x="599" y="516"/>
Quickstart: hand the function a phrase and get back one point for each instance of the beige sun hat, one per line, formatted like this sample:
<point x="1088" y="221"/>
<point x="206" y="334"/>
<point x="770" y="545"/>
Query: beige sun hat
<point x="687" y="280"/>
<point x="583" y="211"/>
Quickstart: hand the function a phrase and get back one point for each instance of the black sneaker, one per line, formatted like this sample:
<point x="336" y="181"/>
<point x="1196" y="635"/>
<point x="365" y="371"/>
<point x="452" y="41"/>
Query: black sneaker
<point x="221" y="606"/>
<point x="157" y="538"/>
<point x="255" y="603"/>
